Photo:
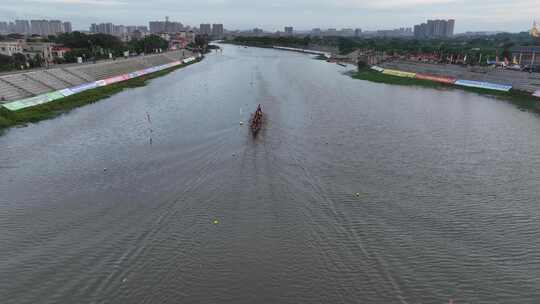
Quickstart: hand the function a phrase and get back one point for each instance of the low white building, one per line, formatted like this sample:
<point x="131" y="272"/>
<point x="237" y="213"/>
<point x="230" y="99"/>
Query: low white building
<point x="44" y="49"/>
<point x="9" y="48"/>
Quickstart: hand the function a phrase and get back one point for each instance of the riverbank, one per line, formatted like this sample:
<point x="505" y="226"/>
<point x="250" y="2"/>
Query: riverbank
<point x="58" y="107"/>
<point x="267" y="42"/>
<point x="522" y="99"/>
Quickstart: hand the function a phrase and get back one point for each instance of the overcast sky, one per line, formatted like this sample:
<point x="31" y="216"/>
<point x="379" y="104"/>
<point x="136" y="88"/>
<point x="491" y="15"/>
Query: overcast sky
<point x="470" y="15"/>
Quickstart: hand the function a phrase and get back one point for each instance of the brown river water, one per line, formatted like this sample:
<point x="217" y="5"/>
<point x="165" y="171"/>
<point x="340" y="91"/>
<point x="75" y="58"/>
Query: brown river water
<point x="353" y="192"/>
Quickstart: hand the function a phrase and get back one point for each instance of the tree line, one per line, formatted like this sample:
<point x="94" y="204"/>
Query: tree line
<point x="475" y="48"/>
<point x="88" y="47"/>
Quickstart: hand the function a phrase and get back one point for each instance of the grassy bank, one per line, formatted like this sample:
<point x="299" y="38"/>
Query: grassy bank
<point x="52" y="109"/>
<point x="522" y="99"/>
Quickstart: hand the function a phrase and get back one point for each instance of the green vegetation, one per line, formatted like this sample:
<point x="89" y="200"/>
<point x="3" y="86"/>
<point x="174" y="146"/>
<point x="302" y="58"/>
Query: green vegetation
<point x="64" y="105"/>
<point x="523" y="100"/>
<point x="89" y="47"/>
<point x="476" y="49"/>
<point x="99" y="46"/>
<point x="289" y="41"/>
<point x="19" y="61"/>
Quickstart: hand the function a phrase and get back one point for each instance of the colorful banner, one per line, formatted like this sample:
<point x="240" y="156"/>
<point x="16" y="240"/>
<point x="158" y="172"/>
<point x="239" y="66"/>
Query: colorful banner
<point x="441" y="79"/>
<point x="54" y="95"/>
<point x="33" y="101"/>
<point x="483" y="85"/>
<point x="83" y="87"/>
<point x="66" y="92"/>
<point x="48" y="97"/>
<point x="116" y="79"/>
<point x="136" y="74"/>
<point x="377" y="68"/>
<point x="399" y="73"/>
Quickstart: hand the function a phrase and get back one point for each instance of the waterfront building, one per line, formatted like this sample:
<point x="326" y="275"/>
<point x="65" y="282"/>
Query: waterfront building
<point x="43" y="49"/>
<point x="181" y="40"/>
<point x="59" y="51"/>
<point x="9" y="48"/>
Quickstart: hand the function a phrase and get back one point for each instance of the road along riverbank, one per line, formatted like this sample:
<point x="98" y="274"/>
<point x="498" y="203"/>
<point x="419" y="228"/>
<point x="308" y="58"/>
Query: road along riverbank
<point x="50" y="105"/>
<point x="390" y="76"/>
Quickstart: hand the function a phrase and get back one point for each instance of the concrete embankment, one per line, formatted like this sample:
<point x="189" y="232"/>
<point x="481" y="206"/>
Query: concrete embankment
<point x="528" y="82"/>
<point x="40" y="107"/>
<point x="52" y="82"/>
<point x="488" y="82"/>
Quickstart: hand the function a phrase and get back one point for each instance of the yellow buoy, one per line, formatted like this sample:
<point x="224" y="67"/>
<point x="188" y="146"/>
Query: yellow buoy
<point x="215" y="222"/>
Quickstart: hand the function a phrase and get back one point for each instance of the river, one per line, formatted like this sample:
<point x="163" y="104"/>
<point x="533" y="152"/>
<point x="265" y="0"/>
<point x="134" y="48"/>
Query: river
<point x="353" y="192"/>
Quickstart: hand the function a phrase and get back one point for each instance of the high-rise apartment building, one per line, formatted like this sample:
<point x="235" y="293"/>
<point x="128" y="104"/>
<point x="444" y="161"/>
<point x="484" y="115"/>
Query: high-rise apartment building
<point x="3" y="27"/>
<point x="166" y="26"/>
<point x="435" y="29"/>
<point x="102" y="28"/>
<point x="40" y="27"/>
<point x="217" y="31"/>
<point x="289" y="30"/>
<point x="450" y="24"/>
<point x="205" y="29"/>
<point x="56" y="27"/>
<point x="119" y="30"/>
<point x="22" y="27"/>
<point x="67" y="27"/>
<point x="133" y="28"/>
<point x="157" y="27"/>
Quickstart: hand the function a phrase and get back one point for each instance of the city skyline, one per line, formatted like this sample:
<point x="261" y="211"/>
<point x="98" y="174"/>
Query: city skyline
<point x="303" y="15"/>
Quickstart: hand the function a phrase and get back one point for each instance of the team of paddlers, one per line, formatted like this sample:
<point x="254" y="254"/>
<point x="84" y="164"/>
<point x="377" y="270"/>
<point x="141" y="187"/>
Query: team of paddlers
<point x="256" y="121"/>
